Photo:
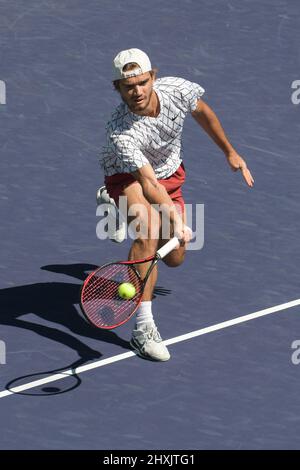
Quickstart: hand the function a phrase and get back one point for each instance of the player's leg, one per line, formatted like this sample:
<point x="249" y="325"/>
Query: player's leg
<point x="148" y="225"/>
<point x="146" y="339"/>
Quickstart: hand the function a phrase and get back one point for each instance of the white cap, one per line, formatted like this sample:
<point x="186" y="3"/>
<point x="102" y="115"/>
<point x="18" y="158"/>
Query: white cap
<point x="125" y="57"/>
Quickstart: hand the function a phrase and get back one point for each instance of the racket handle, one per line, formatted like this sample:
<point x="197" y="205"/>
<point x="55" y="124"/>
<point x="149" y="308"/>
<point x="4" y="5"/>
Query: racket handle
<point x="169" y="246"/>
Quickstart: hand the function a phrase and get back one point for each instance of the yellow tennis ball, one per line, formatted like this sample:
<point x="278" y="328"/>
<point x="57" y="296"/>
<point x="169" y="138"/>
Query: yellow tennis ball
<point x="126" y="290"/>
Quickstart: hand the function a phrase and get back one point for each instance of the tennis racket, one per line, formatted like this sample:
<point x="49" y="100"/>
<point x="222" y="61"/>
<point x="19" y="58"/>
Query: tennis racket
<point x="100" y="301"/>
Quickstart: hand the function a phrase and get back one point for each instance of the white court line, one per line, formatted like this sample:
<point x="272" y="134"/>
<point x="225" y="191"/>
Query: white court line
<point x="177" y="339"/>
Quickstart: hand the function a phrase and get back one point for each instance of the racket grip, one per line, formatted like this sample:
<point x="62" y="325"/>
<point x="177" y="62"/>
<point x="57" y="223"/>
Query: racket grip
<point x="169" y="246"/>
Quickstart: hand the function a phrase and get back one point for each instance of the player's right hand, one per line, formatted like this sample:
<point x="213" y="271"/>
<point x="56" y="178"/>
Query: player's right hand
<point x="184" y="234"/>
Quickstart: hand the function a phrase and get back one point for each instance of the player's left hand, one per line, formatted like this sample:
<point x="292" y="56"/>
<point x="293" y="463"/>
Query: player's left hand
<point x="236" y="162"/>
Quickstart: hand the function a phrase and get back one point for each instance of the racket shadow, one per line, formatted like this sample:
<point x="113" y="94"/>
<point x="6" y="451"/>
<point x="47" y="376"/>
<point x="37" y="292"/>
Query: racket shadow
<point x="70" y="382"/>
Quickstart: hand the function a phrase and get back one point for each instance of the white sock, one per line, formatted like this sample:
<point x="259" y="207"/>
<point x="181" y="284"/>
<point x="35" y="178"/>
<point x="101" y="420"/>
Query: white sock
<point x="144" y="314"/>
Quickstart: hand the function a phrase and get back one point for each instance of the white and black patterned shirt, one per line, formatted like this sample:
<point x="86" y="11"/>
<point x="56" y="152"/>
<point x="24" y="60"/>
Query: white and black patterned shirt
<point x="133" y="140"/>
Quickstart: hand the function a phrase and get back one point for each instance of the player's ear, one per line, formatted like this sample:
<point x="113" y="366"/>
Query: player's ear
<point x="153" y="74"/>
<point x="116" y="85"/>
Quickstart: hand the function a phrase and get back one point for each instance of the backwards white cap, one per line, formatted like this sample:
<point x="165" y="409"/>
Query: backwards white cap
<point x="127" y="56"/>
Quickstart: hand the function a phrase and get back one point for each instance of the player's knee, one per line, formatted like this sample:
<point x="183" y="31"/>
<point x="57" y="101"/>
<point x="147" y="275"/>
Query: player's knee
<point x="147" y="246"/>
<point x="173" y="260"/>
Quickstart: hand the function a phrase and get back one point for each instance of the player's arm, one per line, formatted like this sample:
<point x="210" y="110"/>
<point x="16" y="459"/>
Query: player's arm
<point x="208" y="120"/>
<point x="156" y="193"/>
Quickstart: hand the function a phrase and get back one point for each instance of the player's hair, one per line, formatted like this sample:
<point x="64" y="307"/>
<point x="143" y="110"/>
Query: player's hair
<point x="127" y="68"/>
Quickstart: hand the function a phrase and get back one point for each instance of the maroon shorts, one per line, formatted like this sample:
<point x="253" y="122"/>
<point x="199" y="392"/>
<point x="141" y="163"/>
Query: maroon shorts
<point x="116" y="184"/>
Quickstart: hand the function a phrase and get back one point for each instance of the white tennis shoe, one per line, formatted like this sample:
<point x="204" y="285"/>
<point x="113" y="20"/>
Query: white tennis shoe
<point x="147" y="343"/>
<point x="116" y="225"/>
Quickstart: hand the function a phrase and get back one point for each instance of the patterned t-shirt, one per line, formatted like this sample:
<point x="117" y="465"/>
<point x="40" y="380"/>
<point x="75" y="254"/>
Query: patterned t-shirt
<point x="133" y="140"/>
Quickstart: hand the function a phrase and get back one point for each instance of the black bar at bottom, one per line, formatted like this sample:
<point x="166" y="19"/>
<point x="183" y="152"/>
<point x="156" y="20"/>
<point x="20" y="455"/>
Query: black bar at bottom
<point x="137" y="458"/>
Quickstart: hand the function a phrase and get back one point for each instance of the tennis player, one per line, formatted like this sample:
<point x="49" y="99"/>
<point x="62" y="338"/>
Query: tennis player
<point x="142" y="160"/>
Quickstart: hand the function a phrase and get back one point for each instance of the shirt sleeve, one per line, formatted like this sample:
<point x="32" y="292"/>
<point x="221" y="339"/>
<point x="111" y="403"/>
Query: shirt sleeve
<point x="128" y="157"/>
<point x="190" y="93"/>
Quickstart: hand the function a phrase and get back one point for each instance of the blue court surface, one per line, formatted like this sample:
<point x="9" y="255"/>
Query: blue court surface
<point x="232" y="387"/>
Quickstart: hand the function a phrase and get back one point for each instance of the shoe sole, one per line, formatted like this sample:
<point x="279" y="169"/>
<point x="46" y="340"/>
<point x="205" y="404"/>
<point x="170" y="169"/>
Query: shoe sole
<point x="144" y="356"/>
<point x="120" y="234"/>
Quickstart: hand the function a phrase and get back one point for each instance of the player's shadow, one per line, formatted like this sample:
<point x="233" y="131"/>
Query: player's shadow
<point x="57" y="302"/>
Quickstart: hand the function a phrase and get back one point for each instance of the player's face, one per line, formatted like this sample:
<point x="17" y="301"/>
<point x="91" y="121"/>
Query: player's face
<point x="137" y="91"/>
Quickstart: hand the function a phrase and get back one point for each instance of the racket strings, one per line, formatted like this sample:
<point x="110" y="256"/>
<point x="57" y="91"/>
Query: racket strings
<point x="100" y="299"/>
